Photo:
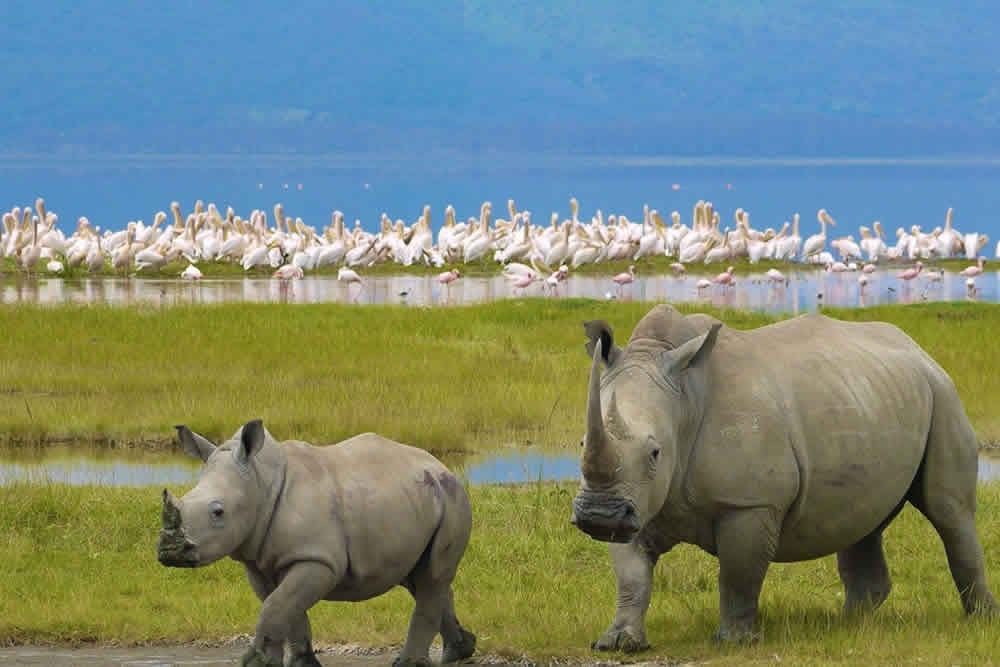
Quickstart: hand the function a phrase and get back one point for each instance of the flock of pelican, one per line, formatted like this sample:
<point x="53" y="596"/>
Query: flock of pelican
<point x="530" y="253"/>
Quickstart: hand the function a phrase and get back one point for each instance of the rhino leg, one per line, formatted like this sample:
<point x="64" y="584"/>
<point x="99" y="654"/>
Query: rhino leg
<point x="633" y="566"/>
<point x="954" y="521"/>
<point x="430" y="585"/>
<point x="459" y="643"/>
<point x="428" y="614"/>
<point x="945" y="492"/>
<point x="864" y="573"/>
<point x="283" y="614"/>
<point x="746" y="541"/>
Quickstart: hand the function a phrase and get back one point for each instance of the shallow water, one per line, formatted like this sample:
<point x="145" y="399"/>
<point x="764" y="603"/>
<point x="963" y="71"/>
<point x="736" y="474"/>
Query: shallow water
<point x="807" y="289"/>
<point x="513" y="466"/>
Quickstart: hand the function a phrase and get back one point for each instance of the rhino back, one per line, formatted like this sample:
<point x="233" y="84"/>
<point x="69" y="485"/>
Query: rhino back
<point x="368" y="506"/>
<point x="823" y="420"/>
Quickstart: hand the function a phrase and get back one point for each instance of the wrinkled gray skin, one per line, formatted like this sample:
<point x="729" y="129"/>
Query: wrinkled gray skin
<point x="785" y="443"/>
<point x="344" y="522"/>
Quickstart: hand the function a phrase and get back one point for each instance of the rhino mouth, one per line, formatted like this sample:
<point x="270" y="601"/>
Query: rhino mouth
<point x="176" y="550"/>
<point x="605" y="517"/>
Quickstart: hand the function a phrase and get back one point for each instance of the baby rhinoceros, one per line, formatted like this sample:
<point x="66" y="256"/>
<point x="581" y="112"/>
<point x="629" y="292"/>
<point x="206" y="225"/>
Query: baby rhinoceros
<point x="345" y="522"/>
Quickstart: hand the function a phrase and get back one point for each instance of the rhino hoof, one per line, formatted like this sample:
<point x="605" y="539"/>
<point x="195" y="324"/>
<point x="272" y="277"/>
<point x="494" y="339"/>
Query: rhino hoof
<point x="735" y="636"/>
<point x="411" y="662"/>
<point x="460" y="651"/>
<point x="305" y="660"/>
<point x="254" y="658"/>
<point x="620" y="640"/>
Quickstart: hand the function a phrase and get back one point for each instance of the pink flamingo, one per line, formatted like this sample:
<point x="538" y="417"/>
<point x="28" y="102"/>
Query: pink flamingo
<point x="776" y="276"/>
<point x="868" y="268"/>
<point x="678" y="268"/>
<point x="523" y="282"/>
<point x="910" y="273"/>
<point x="623" y="279"/>
<point x="973" y="271"/>
<point x="725" y="278"/>
<point x="449" y="277"/>
<point x="556" y="278"/>
<point x="289" y="272"/>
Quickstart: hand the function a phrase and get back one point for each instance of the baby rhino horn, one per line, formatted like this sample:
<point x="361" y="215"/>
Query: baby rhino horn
<point x="171" y="512"/>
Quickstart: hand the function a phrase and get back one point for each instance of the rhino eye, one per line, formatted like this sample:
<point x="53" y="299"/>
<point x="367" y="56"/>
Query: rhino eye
<point x="217" y="512"/>
<point x="655" y="453"/>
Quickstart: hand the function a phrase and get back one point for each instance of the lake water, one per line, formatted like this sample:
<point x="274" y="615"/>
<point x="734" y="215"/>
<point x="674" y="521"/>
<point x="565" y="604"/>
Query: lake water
<point x="808" y="289"/>
<point x="115" y="469"/>
<point x="107" y="468"/>
<point x="113" y="189"/>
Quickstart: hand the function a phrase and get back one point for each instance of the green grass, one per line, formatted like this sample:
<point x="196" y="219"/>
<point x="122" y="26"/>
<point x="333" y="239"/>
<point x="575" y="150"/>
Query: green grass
<point x="469" y="378"/>
<point x="79" y="565"/>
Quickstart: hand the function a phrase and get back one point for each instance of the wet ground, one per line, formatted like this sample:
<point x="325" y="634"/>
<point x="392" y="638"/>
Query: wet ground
<point x="807" y="288"/>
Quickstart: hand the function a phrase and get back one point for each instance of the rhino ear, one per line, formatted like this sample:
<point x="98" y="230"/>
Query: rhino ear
<point x="601" y="330"/>
<point x="195" y="445"/>
<point x="692" y="353"/>
<point x="252" y="438"/>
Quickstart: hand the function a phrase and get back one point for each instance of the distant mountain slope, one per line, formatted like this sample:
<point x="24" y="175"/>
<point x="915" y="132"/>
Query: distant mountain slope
<point x="633" y="75"/>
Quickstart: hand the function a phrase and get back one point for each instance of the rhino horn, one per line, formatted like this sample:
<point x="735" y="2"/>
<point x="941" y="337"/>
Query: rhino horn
<point x="171" y="512"/>
<point x="597" y="465"/>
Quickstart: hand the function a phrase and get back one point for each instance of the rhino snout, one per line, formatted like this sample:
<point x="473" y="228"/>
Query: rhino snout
<point x="605" y="516"/>
<point x="175" y="549"/>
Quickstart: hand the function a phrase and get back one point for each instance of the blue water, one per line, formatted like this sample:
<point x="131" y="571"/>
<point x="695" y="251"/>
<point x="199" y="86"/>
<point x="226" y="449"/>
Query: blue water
<point x="504" y="468"/>
<point x="113" y="190"/>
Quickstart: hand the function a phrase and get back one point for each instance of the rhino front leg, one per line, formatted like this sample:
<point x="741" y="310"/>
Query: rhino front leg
<point x="746" y="541"/>
<point x="634" y="573"/>
<point x="283" y="615"/>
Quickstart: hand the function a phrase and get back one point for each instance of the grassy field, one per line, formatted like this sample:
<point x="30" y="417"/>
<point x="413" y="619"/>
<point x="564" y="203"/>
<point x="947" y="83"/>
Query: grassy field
<point x="79" y="565"/>
<point x="457" y="379"/>
<point x="470" y="378"/>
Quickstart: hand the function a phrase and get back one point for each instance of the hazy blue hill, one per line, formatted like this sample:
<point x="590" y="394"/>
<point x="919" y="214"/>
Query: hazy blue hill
<point x="632" y="76"/>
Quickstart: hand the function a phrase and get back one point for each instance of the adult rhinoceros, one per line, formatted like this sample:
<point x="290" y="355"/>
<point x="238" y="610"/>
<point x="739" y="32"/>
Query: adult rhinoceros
<point x="785" y="443"/>
<point x="345" y="522"/>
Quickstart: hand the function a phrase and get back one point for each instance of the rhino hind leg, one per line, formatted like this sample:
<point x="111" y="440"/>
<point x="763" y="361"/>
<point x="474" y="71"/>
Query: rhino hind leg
<point x="945" y="492"/>
<point x="430" y="585"/>
<point x="865" y="574"/>
<point x="459" y="643"/>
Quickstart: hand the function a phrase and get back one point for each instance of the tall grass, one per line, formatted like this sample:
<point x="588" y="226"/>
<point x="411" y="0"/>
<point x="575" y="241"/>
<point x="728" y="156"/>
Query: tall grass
<point x="468" y="378"/>
<point x="79" y="564"/>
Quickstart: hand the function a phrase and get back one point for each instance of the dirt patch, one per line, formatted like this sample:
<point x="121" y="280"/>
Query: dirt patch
<point x="228" y="654"/>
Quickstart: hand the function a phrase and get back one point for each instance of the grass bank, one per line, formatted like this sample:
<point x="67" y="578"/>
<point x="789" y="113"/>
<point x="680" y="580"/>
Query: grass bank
<point x="469" y="378"/>
<point x="80" y="565"/>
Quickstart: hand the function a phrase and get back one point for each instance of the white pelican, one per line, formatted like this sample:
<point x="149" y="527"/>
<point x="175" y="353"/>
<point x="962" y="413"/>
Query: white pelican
<point x="815" y="243"/>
